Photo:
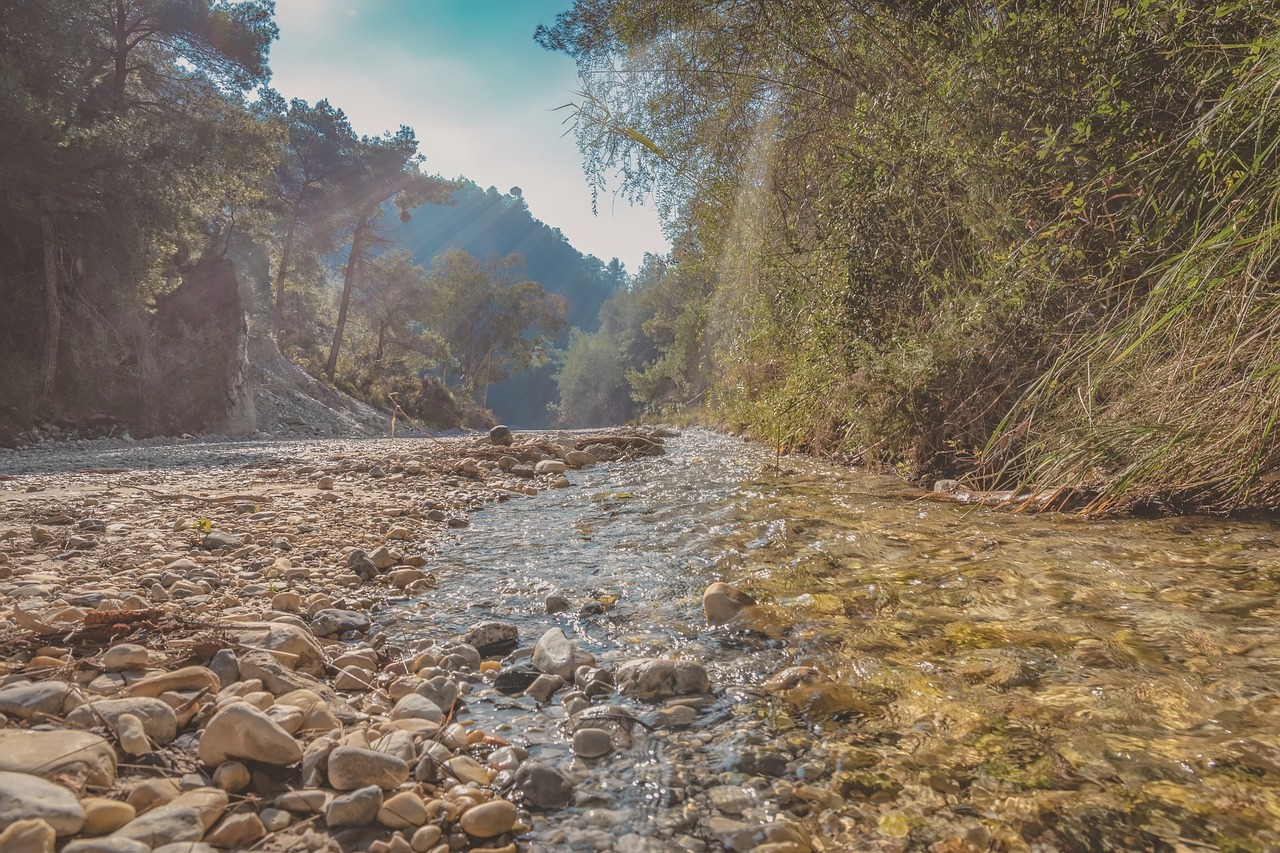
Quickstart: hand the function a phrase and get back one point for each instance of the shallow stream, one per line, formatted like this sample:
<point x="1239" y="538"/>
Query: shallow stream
<point x="996" y="681"/>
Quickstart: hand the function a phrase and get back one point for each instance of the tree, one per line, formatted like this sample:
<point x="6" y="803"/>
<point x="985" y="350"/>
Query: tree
<point x="494" y="320"/>
<point x="320" y="152"/>
<point x="392" y="295"/>
<point x="386" y="169"/>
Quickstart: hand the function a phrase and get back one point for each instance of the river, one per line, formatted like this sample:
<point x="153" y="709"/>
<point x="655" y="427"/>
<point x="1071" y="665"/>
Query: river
<point x="984" y="680"/>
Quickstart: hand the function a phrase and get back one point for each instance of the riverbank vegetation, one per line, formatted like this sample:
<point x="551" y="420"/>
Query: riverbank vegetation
<point x="1030" y="242"/>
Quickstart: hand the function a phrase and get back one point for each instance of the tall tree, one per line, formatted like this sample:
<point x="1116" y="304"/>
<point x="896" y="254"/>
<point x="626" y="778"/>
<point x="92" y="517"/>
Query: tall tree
<point x="386" y="169"/>
<point x="319" y="154"/>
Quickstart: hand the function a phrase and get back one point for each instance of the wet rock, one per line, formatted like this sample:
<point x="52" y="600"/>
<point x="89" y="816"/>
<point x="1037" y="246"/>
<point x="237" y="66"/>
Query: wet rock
<point x="740" y="837"/>
<point x="659" y="678"/>
<point x="26" y="797"/>
<point x="352" y="767"/>
<point x="358" y="808"/>
<point x="721" y="602"/>
<point x="489" y="820"/>
<point x="241" y="731"/>
<point x="157" y="717"/>
<point x="557" y="603"/>
<point x="543" y="786"/>
<point x="78" y="755"/>
<point x="493" y="638"/>
<point x="514" y="680"/>
<point x="558" y="655"/>
<point x="592" y="743"/>
<point x="544" y="687"/>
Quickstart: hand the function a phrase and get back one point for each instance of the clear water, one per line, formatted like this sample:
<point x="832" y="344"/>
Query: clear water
<point x="996" y="681"/>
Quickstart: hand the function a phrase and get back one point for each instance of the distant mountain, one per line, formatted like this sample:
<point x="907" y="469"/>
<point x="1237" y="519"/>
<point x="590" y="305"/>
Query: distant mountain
<point x="485" y="223"/>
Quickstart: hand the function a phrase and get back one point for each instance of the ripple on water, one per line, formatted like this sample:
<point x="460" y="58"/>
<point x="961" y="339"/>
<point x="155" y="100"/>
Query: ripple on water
<point x="994" y="680"/>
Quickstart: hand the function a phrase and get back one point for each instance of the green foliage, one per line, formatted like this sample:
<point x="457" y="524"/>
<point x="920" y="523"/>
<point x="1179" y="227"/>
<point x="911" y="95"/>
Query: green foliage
<point x="1036" y="240"/>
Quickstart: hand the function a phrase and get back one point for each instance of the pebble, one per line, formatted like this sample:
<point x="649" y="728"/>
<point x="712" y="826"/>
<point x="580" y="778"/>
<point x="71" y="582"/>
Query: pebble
<point x="489" y="820"/>
<point x="78" y="755"/>
<point x="592" y="742"/>
<point x="32" y="835"/>
<point x="103" y="816"/>
<point x="556" y="654"/>
<point x="125" y="656"/>
<point x="403" y="810"/>
<point x="358" y="808"/>
<point x="157" y="717"/>
<point x="543" y="786"/>
<point x="165" y="824"/>
<point x="107" y="845"/>
<point x="352" y="767"/>
<point x="237" y="831"/>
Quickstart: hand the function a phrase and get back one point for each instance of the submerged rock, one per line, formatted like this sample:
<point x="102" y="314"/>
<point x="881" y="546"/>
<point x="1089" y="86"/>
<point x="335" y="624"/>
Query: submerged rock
<point x="660" y="678"/>
<point x="721" y="602"/>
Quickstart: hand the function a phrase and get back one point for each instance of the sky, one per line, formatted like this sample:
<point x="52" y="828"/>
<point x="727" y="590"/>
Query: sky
<point x="481" y="95"/>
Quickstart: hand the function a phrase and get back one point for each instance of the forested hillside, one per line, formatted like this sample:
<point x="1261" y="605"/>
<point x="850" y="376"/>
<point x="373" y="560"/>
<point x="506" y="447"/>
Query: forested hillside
<point x="1034" y="242"/>
<point x="165" y="208"/>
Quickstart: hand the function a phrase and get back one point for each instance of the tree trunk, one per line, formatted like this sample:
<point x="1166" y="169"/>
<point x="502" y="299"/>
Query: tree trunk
<point x="382" y="339"/>
<point x="278" y="318"/>
<point x="353" y="260"/>
<point x="121" y="72"/>
<point x="52" y="307"/>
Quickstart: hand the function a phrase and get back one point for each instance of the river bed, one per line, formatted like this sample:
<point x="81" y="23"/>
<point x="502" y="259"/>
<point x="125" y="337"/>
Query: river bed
<point x="981" y="680"/>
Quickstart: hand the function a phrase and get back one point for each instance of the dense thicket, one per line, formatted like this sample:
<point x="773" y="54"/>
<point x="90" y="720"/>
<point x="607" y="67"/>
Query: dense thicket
<point x="1035" y="240"/>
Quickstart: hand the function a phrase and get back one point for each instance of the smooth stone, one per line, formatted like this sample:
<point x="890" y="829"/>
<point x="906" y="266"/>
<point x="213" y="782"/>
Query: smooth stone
<point x="426" y="838"/>
<point x="275" y="819"/>
<point x="106" y="845"/>
<point x="125" y="656"/>
<point x="592" y="743"/>
<point x="550" y="466"/>
<point x="186" y="847"/>
<point x="28" y="836"/>
<point x="660" y="678"/>
<point x="466" y="769"/>
<point x="241" y="731"/>
<point x="489" y="820"/>
<point x="358" y="808"/>
<point x="80" y="755"/>
<point x="232" y="777"/>
<point x="305" y="801"/>
<point x="208" y="802"/>
<point x="354" y="678"/>
<point x="556" y="603"/>
<point x="501" y="436"/>
<point x="103" y="816"/>
<point x="544" y="786"/>
<point x="352" y="767"/>
<point x="157" y="716"/>
<point x="216" y="539"/>
<point x="403" y="810"/>
<point x="188" y="678"/>
<point x="492" y="637"/>
<point x="225" y="666"/>
<point x="294" y="647"/>
<point x="544" y="687"/>
<point x="27" y="797"/>
<point x="237" y="831"/>
<point x="165" y="825"/>
<point x="440" y="690"/>
<point x="417" y="707"/>
<point x="721" y="602"/>
<point x="556" y="654"/>
<point x="152" y="792"/>
<point x="54" y="698"/>
<point x="133" y="735"/>
<point x="579" y="459"/>
<point x="332" y="622"/>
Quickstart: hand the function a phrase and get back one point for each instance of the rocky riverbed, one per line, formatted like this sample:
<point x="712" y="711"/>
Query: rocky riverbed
<point x="192" y="660"/>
